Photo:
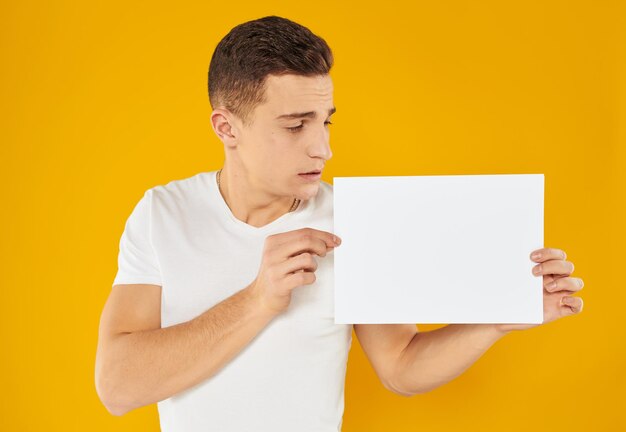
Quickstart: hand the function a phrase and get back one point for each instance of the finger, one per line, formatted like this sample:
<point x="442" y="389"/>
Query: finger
<point x="327" y="237"/>
<point x="571" y="305"/>
<point x="304" y="243"/>
<point x="305" y="261"/>
<point x="300" y="278"/>
<point x="545" y="254"/>
<point x="556" y="267"/>
<point x="563" y="284"/>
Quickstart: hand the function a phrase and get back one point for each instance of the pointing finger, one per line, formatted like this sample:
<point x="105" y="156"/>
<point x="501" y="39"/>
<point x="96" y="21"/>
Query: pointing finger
<point x="546" y="254"/>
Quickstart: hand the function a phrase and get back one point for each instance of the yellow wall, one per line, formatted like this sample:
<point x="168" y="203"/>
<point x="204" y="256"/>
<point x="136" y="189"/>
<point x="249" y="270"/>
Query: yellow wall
<point x="101" y="102"/>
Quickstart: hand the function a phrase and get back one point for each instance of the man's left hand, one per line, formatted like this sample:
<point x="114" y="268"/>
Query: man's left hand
<point x="557" y="287"/>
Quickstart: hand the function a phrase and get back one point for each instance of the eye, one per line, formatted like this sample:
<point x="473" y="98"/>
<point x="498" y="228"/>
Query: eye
<point x="301" y="125"/>
<point x="296" y="128"/>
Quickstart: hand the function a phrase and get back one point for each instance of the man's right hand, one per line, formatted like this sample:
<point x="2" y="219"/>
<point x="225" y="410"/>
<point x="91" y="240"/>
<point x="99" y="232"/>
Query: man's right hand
<point x="287" y="263"/>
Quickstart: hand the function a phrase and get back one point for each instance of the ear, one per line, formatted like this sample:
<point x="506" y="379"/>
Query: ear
<point x="225" y="126"/>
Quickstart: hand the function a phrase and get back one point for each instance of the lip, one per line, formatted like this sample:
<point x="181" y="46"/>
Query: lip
<point x="311" y="177"/>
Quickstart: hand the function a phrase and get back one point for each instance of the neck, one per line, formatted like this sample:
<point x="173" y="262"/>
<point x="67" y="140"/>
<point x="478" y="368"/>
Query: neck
<point x="249" y="204"/>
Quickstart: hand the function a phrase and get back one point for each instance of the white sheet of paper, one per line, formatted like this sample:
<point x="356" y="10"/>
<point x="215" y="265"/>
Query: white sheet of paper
<point x="438" y="249"/>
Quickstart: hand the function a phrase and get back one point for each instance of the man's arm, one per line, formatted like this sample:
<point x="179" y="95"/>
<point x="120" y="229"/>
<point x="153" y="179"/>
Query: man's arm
<point x="138" y="363"/>
<point x="409" y="362"/>
<point x="145" y="364"/>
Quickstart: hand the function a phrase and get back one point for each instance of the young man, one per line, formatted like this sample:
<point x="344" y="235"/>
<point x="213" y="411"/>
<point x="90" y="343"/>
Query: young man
<point x="222" y="307"/>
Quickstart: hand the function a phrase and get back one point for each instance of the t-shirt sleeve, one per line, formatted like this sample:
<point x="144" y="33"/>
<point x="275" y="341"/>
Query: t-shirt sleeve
<point x="137" y="262"/>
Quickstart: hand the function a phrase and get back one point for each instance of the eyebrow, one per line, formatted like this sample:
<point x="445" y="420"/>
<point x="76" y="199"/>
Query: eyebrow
<point x="310" y="114"/>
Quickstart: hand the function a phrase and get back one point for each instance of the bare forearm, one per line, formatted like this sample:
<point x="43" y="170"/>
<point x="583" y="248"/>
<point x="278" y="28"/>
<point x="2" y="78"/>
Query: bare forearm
<point x="148" y="366"/>
<point x="436" y="357"/>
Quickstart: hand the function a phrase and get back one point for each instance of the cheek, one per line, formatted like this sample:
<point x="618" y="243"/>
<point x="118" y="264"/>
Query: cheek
<point x="269" y="159"/>
<point x="261" y="148"/>
<point x="275" y="153"/>
<point x="281" y="150"/>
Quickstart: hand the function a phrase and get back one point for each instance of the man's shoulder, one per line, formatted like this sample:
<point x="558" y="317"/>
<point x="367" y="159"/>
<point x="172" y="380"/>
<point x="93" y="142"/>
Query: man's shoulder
<point x="323" y="201"/>
<point x="326" y="187"/>
<point x="182" y="188"/>
<point x="324" y="194"/>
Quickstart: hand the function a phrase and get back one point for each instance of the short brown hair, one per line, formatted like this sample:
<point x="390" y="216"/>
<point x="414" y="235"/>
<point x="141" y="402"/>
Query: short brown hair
<point x="255" y="49"/>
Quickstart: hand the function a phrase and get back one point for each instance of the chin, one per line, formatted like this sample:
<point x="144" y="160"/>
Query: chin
<point x="308" y="191"/>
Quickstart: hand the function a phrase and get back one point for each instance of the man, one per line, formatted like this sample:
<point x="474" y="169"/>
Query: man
<point x="222" y="307"/>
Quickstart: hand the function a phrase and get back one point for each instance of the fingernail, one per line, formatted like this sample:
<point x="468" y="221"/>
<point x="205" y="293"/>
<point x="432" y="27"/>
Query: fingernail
<point x="537" y="270"/>
<point x="536" y="255"/>
<point x="337" y="240"/>
<point x="567" y="300"/>
<point x="551" y="285"/>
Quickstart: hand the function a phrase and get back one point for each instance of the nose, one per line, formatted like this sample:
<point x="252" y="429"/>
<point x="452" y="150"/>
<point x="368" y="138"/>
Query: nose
<point x="320" y="146"/>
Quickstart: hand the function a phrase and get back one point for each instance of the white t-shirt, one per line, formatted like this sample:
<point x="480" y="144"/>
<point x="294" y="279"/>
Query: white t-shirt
<point x="183" y="237"/>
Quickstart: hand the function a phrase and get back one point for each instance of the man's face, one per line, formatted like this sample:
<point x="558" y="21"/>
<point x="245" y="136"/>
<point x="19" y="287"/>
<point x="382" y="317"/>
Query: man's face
<point x="277" y="147"/>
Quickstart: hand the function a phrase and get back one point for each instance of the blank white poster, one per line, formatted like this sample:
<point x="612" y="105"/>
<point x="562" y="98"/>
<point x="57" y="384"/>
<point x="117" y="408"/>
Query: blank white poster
<point x="438" y="249"/>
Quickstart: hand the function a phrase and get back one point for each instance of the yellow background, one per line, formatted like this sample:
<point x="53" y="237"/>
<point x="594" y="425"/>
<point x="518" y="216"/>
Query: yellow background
<point x="102" y="101"/>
